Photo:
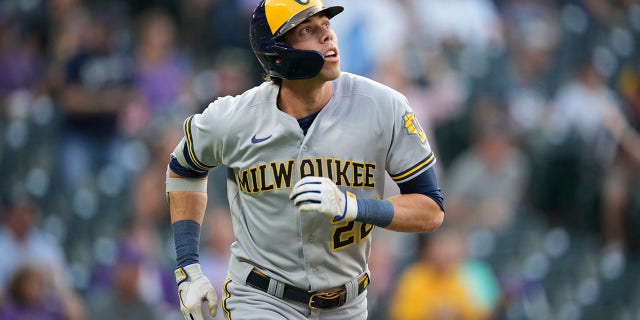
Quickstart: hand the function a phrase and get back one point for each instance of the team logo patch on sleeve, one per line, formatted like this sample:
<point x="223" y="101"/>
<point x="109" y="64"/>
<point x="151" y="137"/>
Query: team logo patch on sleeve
<point x="412" y="126"/>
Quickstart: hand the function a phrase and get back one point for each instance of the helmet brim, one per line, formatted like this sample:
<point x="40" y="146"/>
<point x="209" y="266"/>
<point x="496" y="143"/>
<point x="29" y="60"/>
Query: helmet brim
<point x="330" y="12"/>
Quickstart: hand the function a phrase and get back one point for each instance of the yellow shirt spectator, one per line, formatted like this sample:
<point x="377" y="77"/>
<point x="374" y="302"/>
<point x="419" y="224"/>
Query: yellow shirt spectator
<point x="437" y="287"/>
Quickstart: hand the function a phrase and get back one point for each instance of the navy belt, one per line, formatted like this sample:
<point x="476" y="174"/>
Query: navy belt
<point x="315" y="300"/>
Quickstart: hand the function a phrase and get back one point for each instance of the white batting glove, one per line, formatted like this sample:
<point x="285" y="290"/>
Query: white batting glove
<point x="322" y="195"/>
<point x="194" y="288"/>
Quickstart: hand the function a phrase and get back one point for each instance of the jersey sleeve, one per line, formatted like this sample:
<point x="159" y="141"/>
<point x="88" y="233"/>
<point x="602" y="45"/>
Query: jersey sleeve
<point x="200" y="149"/>
<point x="410" y="153"/>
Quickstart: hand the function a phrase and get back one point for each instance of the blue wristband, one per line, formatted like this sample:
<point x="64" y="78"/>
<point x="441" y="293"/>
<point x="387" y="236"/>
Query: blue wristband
<point x="186" y="236"/>
<point x="376" y="212"/>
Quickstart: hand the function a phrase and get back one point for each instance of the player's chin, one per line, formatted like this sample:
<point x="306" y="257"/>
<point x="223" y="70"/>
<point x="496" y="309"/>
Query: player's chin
<point x="330" y="73"/>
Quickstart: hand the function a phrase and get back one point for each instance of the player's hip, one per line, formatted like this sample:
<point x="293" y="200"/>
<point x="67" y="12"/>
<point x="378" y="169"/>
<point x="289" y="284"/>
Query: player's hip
<point x="318" y="271"/>
<point x="242" y="301"/>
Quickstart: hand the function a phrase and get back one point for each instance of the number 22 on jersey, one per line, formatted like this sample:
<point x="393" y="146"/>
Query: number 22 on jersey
<point x="346" y="234"/>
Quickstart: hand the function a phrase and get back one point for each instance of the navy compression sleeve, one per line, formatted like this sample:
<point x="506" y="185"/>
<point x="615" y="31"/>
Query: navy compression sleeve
<point x="186" y="235"/>
<point x="426" y="183"/>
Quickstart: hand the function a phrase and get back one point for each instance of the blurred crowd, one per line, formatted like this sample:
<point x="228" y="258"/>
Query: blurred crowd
<point x="532" y="107"/>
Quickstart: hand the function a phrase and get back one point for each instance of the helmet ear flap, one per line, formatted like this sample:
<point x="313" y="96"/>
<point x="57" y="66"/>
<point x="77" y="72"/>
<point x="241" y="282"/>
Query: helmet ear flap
<point x="299" y="64"/>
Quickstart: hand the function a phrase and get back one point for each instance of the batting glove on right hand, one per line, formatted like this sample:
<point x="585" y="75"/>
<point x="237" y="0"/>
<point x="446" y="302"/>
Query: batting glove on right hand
<point x="194" y="288"/>
<point x="322" y="195"/>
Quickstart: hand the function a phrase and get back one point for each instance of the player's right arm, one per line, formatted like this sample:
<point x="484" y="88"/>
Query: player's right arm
<point x="186" y="205"/>
<point x="186" y="187"/>
<point x="187" y="199"/>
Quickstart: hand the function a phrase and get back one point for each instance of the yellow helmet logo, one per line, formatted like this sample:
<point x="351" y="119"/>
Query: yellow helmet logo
<point x="280" y="13"/>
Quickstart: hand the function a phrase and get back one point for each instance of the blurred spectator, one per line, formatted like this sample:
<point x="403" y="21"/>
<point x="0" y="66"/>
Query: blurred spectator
<point x="231" y="66"/>
<point x="161" y="73"/>
<point x="580" y="148"/>
<point x="532" y="31"/>
<point x="122" y="300"/>
<point x="31" y="298"/>
<point x="444" y="283"/>
<point x="139" y="284"/>
<point x="217" y="236"/>
<point x="528" y="76"/>
<point x="579" y="109"/>
<point x="486" y="183"/>
<point x="473" y="26"/>
<point x="148" y="194"/>
<point x="156" y="283"/>
<point x="361" y="52"/>
<point x="209" y="26"/>
<point x="229" y="74"/>
<point x="383" y="264"/>
<point x="96" y="88"/>
<point x="621" y="190"/>
<point x="22" y="243"/>
<point x="66" y="21"/>
<point x="22" y="64"/>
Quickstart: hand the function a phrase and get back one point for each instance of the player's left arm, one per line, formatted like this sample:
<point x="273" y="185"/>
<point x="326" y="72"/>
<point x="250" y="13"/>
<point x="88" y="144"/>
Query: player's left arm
<point x="420" y="206"/>
<point x="415" y="213"/>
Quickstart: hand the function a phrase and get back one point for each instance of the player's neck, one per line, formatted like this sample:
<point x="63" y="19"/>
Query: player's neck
<point x="304" y="98"/>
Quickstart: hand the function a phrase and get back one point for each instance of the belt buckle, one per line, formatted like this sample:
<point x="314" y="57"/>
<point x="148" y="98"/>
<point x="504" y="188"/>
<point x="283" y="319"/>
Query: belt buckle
<point x="311" y="301"/>
<point x="326" y="296"/>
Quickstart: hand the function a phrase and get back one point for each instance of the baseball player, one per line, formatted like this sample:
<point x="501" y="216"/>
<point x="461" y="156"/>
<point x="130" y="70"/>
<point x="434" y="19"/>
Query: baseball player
<point x="306" y="153"/>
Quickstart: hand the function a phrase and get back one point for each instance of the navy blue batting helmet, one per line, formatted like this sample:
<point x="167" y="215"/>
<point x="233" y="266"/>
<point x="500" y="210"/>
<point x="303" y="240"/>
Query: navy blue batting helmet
<point x="270" y="21"/>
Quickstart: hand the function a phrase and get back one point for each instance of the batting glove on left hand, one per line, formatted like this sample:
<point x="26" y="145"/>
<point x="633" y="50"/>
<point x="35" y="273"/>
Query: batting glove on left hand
<point x="194" y="288"/>
<point x="322" y="195"/>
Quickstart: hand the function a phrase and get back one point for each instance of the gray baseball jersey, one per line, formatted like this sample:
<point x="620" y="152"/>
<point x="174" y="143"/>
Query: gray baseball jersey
<point x="364" y="130"/>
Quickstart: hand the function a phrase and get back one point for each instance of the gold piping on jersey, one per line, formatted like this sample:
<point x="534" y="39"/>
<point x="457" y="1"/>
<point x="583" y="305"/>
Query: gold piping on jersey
<point x="192" y="154"/>
<point x="424" y="163"/>
<point x="227" y="295"/>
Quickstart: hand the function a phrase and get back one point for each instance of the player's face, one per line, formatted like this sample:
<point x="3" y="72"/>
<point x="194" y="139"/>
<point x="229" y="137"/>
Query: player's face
<point x="316" y="34"/>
